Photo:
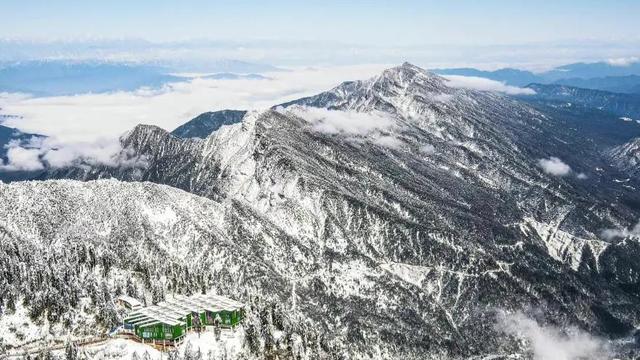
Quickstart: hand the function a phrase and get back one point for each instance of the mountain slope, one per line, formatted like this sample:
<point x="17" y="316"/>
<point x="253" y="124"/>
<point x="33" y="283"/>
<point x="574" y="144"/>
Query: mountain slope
<point x="627" y="157"/>
<point x="412" y="210"/>
<point x="627" y="105"/>
<point x="69" y="248"/>
<point x="204" y="124"/>
<point x="622" y="84"/>
<point x="14" y="136"/>
<point x="8" y="134"/>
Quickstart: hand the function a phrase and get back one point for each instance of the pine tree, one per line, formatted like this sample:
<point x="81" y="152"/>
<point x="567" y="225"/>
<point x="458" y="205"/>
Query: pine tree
<point x="45" y="354"/>
<point x="198" y="355"/>
<point x="188" y="353"/>
<point x="173" y="355"/>
<point x="71" y="351"/>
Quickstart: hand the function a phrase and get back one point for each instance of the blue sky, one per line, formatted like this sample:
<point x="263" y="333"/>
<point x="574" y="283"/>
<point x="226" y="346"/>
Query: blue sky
<point x="383" y="23"/>
<point x="486" y="34"/>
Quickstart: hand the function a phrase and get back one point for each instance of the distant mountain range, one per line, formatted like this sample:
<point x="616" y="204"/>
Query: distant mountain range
<point x="53" y="78"/>
<point x="599" y="76"/>
<point x="49" y="78"/>
<point x="232" y="76"/>
<point x="623" y="105"/>
<point x="622" y="84"/>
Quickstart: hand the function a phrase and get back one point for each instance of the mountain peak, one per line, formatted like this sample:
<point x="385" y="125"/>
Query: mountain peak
<point x="204" y="124"/>
<point x="407" y="75"/>
<point x="408" y="69"/>
<point x="143" y="133"/>
<point x="390" y="91"/>
<point x="141" y="129"/>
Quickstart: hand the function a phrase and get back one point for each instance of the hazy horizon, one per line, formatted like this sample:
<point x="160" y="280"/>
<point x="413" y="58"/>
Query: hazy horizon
<point x="487" y="35"/>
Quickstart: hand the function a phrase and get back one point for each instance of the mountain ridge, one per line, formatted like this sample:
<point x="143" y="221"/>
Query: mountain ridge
<point x="440" y="183"/>
<point x="204" y="124"/>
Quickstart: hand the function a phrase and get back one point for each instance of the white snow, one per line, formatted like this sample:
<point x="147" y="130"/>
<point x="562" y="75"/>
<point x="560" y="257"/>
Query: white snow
<point x="230" y="343"/>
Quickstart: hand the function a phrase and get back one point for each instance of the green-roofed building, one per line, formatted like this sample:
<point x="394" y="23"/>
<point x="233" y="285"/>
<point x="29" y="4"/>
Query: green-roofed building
<point x="168" y="322"/>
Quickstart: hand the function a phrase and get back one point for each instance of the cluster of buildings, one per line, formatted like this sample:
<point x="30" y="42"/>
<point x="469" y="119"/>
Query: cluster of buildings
<point x="168" y="322"/>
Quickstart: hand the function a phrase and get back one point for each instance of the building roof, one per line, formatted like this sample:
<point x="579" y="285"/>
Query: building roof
<point x="174" y="310"/>
<point x="133" y="302"/>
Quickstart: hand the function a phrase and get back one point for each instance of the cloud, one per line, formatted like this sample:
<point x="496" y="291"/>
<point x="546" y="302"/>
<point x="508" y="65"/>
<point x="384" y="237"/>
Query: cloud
<point x="623" y="61"/>
<point x="48" y="153"/>
<point x="610" y="234"/>
<point x="554" y="166"/>
<point x="427" y="149"/>
<point x="88" y="117"/>
<point x="83" y="129"/>
<point x="373" y="126"/>
<point x="388" y="141"/>
<point x="582" y="176"/>
<point x="483" y="84"/>
<point x="22" y="159"/>
<point x="442" y="97"/>
<point x="343" y="122"/>
<point x="552" y="343"/>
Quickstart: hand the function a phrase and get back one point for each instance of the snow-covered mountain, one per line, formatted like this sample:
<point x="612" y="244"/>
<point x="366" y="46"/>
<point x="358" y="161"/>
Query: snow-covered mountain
<point x="204" y="124"/>
<point x="397" y="214"/>
<point x="627" y="157"/>
<point x="616" y="103"/>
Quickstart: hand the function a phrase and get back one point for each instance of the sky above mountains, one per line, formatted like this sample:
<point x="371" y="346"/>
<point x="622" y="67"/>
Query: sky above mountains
<point x="407" y="22"/>
<point x="494" y="33"/>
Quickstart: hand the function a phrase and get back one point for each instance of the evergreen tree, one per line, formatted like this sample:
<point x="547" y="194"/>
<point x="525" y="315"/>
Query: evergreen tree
<point x="71" y="351"/>
<point x="173" y="355"/>
<point x="45" y="354"/>
<point x="197" y="355"/>
<point x="188" y="352"/>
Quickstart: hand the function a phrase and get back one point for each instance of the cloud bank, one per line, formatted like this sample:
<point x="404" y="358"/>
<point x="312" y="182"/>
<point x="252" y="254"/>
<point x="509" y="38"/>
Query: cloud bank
<point x="554" y="166"/>
<point x="375" y="127"/>
<point x="343" y="122"/>
<point x="48" y="153"/>
<point x="552" y="343"/>
<point x="610" y="234"/>
<point x="623" y="61"/>
<point x="77" y="126"/>
<point x="428" y="149"/>
<point x="88" y="117"/>
<point x="482" y="84"/>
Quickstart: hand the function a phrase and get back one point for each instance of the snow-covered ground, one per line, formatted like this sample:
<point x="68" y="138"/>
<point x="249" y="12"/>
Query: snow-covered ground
<point x="18" y="330"/>
<point x="231" y="342"/>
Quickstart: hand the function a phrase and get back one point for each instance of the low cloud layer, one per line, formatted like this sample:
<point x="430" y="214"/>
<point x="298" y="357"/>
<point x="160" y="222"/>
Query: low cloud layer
<point x="483" y="84"/>
<point x="39" y="154"/>
<point x="344" y="122"/>
<point x="428" y="149"/>
<point x="610" y="234"/>
<point x="550" y="342"/>
<point x="388" y="141"/>
<point x="623" y="61"/>
<point x="554" y="166"/>
<point x="88" y="117"/>
<point x="81" y="123"/>
<point x="375" y="127"/>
